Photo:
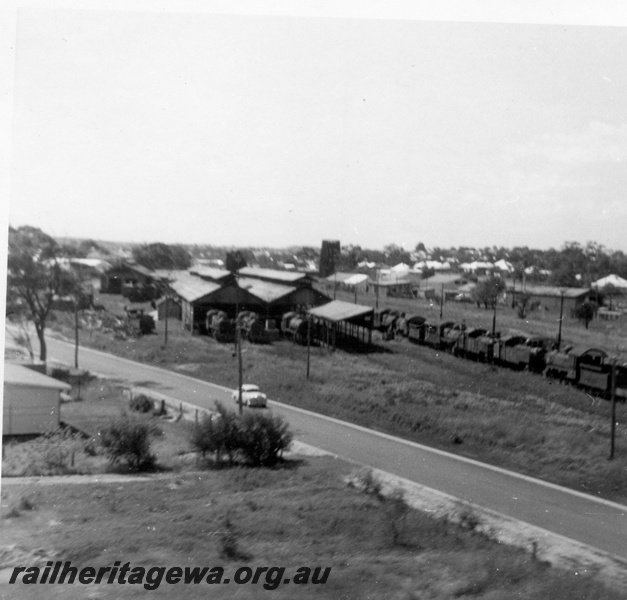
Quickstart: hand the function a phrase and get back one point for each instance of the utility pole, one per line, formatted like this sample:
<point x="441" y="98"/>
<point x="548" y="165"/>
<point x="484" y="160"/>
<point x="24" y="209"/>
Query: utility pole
<point x="613" y="424"/>
<point x="76" y="301"/>
<point x="167" y="303"/>
<point x="441" y="301"/>
<point x="496" y="297"/>
<point x="238" y="349"/>
<point x="167" y="309"/>
<point x="308" y="344"/>
<point x="238" y="337"/>
<point x="376" y="288"/>
<point x="559" y="332"/>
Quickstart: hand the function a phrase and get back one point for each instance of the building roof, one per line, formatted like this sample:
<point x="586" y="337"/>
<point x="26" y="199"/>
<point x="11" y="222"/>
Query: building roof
<point x="552" y="291"/>
<point x="211" y="273"/>
<point x="504" y="265"/>
<point x="339" y="277"/>
<point x="167" y="275"/>
<point x="390" y="282"/>
<point x="356" y="279"/>
<point x="264" y="290"/>
<point x="446" y="279"/>
<point x="97" y="264"/>
<point x="274" y="274"/>
<point x="191" y="287"/>
<point x="337" y="310"/>
<point x="347" y="278"/>
<point x="614" y="280"/>
<point x="127" y="265"/>
<point x="16" y="374"/>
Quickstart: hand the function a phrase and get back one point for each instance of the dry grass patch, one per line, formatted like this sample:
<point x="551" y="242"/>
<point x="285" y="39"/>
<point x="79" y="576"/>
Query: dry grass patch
<point x="282" y="517"/>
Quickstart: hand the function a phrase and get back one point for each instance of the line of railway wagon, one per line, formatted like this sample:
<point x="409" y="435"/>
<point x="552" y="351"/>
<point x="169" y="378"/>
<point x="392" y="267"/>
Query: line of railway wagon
<point x="585" y="367"/>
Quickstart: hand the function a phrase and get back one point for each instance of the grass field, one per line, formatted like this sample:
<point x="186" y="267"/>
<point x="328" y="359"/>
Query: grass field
<point x="515" y="420"/>
<point x="300" y="515"/>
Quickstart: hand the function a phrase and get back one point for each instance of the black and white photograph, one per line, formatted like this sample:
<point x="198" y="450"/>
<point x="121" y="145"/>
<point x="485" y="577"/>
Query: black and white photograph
<point x="314" y="300"/>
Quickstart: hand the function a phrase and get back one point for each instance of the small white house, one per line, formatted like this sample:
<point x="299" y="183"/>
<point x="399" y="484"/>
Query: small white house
<point x="31" y="401"/>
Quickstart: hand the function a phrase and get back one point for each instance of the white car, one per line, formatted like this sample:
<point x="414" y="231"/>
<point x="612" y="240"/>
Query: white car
<point x="251" y="396"/>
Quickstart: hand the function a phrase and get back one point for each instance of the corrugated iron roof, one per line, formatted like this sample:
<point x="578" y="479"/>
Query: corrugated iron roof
<point x="552" y="291"/>
<point x="356" y="279"/>
<point x="211" y="273"/>
<point x="288" y="276"/>
<point x="191" y="287"/>
<point x="339" y="277"/>
<point x="264" y="290"/>
<point x="21" y="375"/>
<point x="337" y="310"/>
<point x="167" y="274"/>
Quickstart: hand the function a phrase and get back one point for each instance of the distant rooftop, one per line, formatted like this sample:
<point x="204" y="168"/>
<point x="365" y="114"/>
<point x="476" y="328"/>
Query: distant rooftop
<point x="274" y="274"/>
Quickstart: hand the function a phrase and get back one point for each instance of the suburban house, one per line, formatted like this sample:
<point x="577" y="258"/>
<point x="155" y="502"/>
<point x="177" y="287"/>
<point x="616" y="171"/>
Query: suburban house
<point x="121" y="277"/>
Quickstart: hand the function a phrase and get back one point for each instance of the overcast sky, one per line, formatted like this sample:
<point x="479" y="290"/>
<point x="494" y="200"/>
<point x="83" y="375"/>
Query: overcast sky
<point x="253" y="130"/>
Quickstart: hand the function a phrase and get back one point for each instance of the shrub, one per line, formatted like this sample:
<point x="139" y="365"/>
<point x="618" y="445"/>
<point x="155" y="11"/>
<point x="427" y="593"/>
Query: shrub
<point x="218" y="434"/>
<point x="146" y="324"/>
<point x="256" y="438"/>
<point x="263" y="438"/>
<point x="129" y="440"/>
<point x="61" y="373"/>
<point x="229" y="546"/>
<point x="369" y="483"/>
<point x="141" y="403"/>
<point x="396" y="511"/>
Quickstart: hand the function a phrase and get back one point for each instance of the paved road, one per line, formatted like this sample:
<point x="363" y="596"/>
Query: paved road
<point x="592" y="521"/>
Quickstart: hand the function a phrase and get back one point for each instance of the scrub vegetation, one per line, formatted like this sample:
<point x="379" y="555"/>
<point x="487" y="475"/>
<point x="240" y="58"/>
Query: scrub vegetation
<point x="299" y="515"/>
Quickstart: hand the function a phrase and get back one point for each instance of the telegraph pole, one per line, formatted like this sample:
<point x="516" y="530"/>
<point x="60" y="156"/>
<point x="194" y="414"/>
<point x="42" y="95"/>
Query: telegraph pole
<point x="167" y="302"/>
<point x="613" y="424"/>
<point x="559" y="332"/>
<point x="238" y="349"/>
<point x="496" y="297"/>
<point x="308" y="344"/>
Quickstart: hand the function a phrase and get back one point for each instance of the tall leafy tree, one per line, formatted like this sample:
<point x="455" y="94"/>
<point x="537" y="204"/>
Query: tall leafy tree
<point x="486" y="292"/>
<point x="34" y="278"/>
<point x="396" y="255"/>
<point x="162" y="256"/>
<point x="235" y="261"/>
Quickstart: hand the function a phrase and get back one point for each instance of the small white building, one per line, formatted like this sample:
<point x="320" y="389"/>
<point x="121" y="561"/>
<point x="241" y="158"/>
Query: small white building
<point x="31" y="402"/>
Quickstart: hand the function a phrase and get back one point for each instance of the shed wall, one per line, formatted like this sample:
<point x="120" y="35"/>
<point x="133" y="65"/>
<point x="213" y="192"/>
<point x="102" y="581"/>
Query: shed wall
<point x="29" y="410"/>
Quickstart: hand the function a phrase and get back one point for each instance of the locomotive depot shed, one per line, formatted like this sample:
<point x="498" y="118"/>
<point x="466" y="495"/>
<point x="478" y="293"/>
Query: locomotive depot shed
<point x="231" y="294"/>
<point x="345" y="321"/>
